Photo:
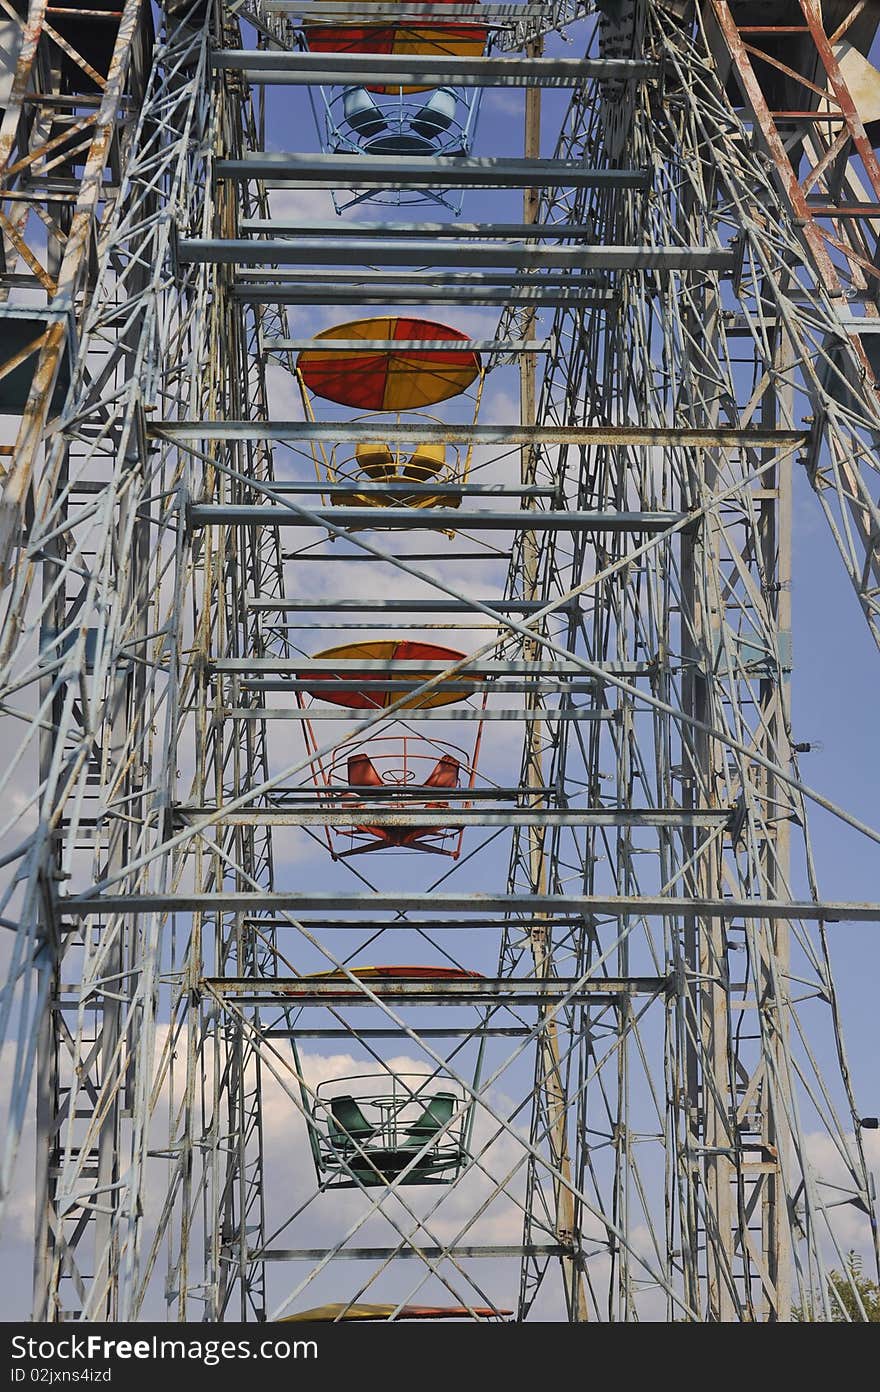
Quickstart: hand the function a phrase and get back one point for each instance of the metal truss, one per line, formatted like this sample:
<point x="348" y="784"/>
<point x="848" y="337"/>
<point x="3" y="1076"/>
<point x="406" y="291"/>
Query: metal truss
<point x="91" y="629"/>
<point x="514" y="26"/>
<point x="623" y="979"/>
<point x="809" y="202"/>
<point x="64" y="116"/>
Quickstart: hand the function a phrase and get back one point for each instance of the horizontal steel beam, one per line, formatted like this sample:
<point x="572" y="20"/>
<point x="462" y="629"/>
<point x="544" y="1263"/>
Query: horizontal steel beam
<point x="286" y="797"/>
<point x="461" y="817"/>
<point x="356" y="251"/>
<point x="403" y="490"/>
<point x="397" y="171"/>
<point x="350" y="605"/>
<point x="348" y="669"/>
<point x="310" y="292"/>
<point x="434" y="519"/>
<point x="352" y="1035"/>
<point x="423" y="1251"/>
<point x="467" y="991"/>
<point x="365" y="11"/>
<point x="466" y="715"/>
<point x="517" y="231"/>
<point x="446" y="925"/>
<point x="342" y="69"/>
<point x="628" y="905"/>
<point x="852" y="323"/>
<point x="415" y="278"/>
<point x="345" y="12"/>
<point x="682" y="437"/>
<point x="391" y="345"/>
<point x="548" y="685"/>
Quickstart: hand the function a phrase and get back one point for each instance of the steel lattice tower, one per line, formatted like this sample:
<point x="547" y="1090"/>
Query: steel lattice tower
<point x="594" y="1087"/>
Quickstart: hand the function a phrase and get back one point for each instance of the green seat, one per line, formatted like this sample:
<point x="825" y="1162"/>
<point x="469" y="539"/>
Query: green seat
<point x="347" y="1124"/>
<point x="437" y="1113"/>
<point x="369" y="1159"/>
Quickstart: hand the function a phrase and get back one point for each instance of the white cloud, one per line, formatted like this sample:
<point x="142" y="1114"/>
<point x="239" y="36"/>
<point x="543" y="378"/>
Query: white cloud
<point x="849" y="1224"/>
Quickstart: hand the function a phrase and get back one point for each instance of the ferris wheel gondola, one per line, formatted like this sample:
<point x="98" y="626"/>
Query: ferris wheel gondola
<point x="398" y="771"/>
<point x="380" y="1125"/>
<point x="433" y="364"/>
<point x="410" y="120"/>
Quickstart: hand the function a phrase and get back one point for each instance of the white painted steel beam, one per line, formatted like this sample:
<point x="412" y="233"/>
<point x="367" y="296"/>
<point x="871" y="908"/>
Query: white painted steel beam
<point x="278" y="168"/>
<point x="354" y="250"/>
<point x="635" y="436"/>
<point x="270" y="67"/>
<point x="433" y="519"/>
<point x="621" y="905"/>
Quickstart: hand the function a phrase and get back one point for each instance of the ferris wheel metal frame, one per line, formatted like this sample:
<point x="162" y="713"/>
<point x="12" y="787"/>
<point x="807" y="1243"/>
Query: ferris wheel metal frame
<point x="638" y="1123"/>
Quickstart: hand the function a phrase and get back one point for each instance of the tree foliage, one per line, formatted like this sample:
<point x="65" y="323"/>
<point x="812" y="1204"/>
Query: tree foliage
<point x="853" y="1297"/>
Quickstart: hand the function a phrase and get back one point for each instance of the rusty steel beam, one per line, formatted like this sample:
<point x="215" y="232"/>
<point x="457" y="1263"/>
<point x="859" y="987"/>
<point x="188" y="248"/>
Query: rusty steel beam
<point x="819" y="241"/>
<point x="759" y="110"/>
<point x="64" y="300"/>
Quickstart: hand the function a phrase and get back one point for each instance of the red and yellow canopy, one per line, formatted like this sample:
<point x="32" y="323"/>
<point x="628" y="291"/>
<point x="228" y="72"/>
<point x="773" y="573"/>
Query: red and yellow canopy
<point x="465" y="40"/>
<point x="398" y="973"/>
<point x="357" y="693"/>
<point x="382" y="379"/>
<point x="325" y="1314"/>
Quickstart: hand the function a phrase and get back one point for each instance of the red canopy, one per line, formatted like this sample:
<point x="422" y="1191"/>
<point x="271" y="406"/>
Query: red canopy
<point x="415" y="37"/>
<point x="326" y="1314"/>
<point x="416" y="973"/>
<point x="370" y="379"/>
<point x="354" y="690"/>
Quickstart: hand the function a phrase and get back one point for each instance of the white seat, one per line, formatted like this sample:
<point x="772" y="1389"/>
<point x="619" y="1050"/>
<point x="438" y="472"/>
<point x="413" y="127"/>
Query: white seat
<point x="437" y="114"/>
<point x="362" y="113"/>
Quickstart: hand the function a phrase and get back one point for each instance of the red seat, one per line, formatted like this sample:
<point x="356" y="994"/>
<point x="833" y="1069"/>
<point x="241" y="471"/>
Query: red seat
<point x="444" y="773"/>
<point x="362" y="773"/>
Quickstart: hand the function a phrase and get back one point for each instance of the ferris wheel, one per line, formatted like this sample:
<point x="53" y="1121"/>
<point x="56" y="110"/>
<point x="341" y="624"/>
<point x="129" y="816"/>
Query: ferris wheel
<point x="410" y="865"/>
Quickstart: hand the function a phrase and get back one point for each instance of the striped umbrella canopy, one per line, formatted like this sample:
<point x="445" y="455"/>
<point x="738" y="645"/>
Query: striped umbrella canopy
<point x="398" y="973"/>
<point x="325" y="1314"/>
<point x="431" y="38"/>
<point x="357" y="693"/>
<point x="369" y="379"/>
